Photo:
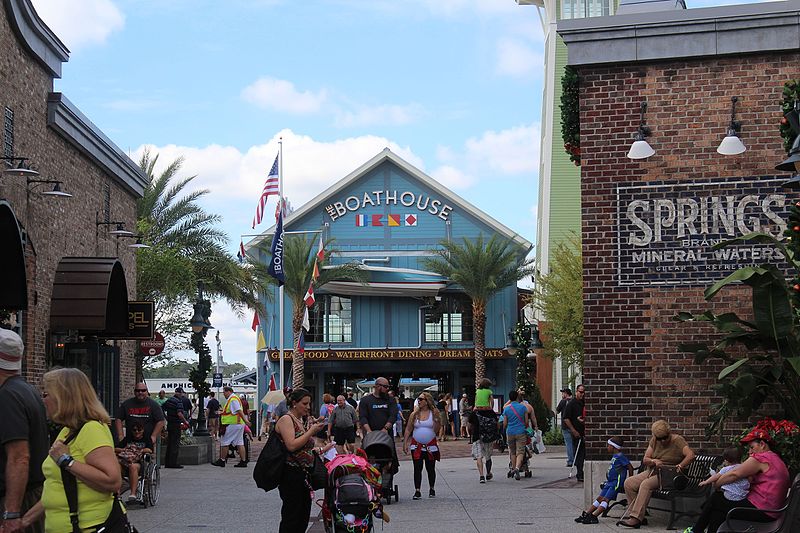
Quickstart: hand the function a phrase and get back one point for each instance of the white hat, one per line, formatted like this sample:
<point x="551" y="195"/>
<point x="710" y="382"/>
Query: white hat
<point x="11" y="348"/>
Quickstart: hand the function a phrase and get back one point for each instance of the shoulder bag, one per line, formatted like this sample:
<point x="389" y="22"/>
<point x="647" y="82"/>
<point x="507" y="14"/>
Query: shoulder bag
<point x="270" y="464"/>
<point x="318" y="474"/>
<point x="117" y="520"/>
<point x="670" y="479"/>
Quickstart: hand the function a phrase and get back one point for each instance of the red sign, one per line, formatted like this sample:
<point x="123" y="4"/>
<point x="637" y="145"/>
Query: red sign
<point x="154" y="346"/>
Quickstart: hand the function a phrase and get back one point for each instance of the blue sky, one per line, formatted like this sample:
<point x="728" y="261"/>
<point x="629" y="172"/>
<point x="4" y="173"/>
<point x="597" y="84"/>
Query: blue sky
<point x="453" y="86"/>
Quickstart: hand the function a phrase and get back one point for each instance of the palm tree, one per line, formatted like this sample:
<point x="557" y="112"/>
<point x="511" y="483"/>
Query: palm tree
<point x="298" y="261"/>
<point x="481" y="270"/>
<point x="186" y="245"/>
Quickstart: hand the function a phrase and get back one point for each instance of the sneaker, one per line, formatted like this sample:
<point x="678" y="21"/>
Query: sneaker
<point x="417" y="495"/>
<point x="219" y="462"/>
<point x="132" y="500"/>
<point x="241" y="464"/>
<point x="590" y="519"/>
<point x="516" y="474"/>
<point x="482" y="480"/>
<point x="489" y="476"/>
<point x="431" y="493"/>
<point x="510" y="474"/>
<point x="583" y="515"/>
<point x="689" y="529"/>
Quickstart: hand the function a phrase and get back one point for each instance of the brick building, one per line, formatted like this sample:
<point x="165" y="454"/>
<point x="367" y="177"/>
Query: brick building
<point x="44" y="234"/>
<point x="648" y="223"/>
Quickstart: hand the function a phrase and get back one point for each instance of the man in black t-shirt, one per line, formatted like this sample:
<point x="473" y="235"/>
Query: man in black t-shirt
<point x="176" y="421"/>
<point x="574" y="418"/>
<point x="140" y="408"/>
<point x="212" y="414"/>
<point x="23" y="437"/>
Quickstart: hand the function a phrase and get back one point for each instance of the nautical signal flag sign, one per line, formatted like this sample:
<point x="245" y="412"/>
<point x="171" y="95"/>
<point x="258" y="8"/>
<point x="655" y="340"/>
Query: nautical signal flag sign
<point x="391" y="220"/>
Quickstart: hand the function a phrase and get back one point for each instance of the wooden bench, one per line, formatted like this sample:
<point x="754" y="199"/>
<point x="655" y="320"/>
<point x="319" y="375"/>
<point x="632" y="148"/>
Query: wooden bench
<point x="697" y="471"/>
<point x="787" y="522"/>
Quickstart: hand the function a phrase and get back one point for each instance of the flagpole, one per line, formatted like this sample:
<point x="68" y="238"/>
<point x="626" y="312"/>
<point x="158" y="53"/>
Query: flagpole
<point x="280" y="289"/>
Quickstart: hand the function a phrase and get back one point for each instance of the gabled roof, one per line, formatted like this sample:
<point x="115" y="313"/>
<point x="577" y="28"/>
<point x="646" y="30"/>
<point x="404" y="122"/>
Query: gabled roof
<point x="387" y="155"/>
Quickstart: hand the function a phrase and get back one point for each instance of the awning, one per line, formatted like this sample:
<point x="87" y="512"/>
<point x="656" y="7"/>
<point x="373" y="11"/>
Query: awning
<point x="90" y="295"/>
<point x="388" y="281"/>
<point x="14" y="295"/>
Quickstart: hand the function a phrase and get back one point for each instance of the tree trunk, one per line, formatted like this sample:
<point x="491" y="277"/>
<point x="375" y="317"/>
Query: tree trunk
<point x="479" y="337"/>
<point x="298" y="364"/>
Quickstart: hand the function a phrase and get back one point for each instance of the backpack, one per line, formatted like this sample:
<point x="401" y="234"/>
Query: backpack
<point x="270" y="464"/>
<point x="353" y="495"/>
<point x="487" y="429"/>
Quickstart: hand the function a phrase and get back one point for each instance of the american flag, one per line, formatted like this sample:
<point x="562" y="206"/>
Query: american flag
<point x="271" y="187"/>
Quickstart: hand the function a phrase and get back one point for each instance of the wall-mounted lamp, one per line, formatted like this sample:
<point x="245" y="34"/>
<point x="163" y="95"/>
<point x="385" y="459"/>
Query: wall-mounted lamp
<point x="19" y="167"/>
<point x="137" y="244"/>
<point x="732" y="144"/>
<point x="57" y="192"/>
<point x="792" y="163"/>
<point x="120" y="230"/>
<point x="640" y="149"/>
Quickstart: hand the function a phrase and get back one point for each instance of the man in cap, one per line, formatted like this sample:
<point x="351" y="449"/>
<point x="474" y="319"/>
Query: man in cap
<point x="566" y="396"/>
<point x="176" y="421"/>
<point x="23" y="439"/>
<point x="234" y="419"/>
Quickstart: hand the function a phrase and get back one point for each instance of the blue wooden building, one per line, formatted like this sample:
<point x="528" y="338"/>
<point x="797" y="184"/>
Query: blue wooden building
<point x="406" y="324"/>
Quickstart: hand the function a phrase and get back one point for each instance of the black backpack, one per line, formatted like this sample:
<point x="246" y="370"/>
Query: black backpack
<point x="271" y="462"/>
<point x="487" y="428"/>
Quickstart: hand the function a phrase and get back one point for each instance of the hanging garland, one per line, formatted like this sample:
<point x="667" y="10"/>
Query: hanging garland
<point x="791" y="94"/>
<point x="570" y="115"/>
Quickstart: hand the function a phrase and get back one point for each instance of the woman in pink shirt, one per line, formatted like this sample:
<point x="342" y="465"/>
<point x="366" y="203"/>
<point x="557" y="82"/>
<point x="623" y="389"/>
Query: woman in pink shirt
<point x="769" y="481"/>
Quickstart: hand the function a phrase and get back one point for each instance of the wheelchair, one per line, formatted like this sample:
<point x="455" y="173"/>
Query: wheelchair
<point x="148" y="486"/>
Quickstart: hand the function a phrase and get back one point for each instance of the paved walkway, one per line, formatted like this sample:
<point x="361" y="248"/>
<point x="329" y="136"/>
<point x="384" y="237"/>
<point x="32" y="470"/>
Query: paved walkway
<point x="215" y="499"/>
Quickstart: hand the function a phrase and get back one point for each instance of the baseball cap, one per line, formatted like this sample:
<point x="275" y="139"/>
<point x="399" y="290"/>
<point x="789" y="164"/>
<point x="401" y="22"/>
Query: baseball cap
<point x="11" y="348"/>
<point x="756" y="434"/>
<point x="566" y="390"/>
<point x="179" y="390"/>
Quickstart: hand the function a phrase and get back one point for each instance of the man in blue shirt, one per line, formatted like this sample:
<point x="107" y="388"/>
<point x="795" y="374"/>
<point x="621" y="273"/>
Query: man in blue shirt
<point x="516" y="420"/>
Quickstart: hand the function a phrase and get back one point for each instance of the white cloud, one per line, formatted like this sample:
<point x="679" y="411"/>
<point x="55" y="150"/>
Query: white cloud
<point x="380" y="114"/>
<point x="281" y="95"/>
<point x="80" y="23"/>
<point x="452" y="178"/>
<point x="511" y="151"/>
<point x="518" y="59"/>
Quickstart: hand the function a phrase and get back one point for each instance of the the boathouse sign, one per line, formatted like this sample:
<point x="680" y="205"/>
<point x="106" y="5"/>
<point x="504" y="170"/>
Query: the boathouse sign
<point x="666" y="229"/>
<point x="399" y="200"/>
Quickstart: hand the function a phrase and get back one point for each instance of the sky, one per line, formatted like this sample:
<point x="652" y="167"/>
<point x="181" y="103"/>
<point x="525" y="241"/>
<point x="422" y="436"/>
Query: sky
<point x="452" y="86"/>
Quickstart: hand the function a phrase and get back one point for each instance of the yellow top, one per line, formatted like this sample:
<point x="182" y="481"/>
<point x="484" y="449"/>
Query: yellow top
<point x="93" y="506"/>
<point x="228" y="418"/>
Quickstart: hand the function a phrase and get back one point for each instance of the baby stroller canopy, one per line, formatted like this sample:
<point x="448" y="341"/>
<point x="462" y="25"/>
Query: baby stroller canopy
<point x="378" y="445"/>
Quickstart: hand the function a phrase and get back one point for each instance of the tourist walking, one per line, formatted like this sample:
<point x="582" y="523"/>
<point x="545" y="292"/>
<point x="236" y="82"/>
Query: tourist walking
<point x="83" y="450"/>
<point x="420" y="440"/>
<point x="573" y="417"/>
<point x="234" y="419"/>
<point x="144" y="410"/>
<point x="378" y="412"/>
<point x="463" y="412"/>
<point x="212" y="415"/>
<point x="325" y="411"/>
<point x="516" y="420"/>
<point x="342" y="426"/>
<point x="298" y="437"/>
<point x="23" y="435"/>
<point x="176" y="421"/>
<point x="566" y="396"/>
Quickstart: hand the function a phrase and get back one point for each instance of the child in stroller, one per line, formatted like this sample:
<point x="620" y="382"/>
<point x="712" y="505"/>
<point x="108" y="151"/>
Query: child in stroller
<point x="351" y="495"/>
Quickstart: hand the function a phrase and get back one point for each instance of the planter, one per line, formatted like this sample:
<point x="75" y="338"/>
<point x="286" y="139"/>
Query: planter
<point x="192" y="454"/>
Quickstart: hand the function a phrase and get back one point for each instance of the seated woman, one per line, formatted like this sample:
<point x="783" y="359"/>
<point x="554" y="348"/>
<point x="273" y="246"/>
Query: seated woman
<point x="769" y="482"/>
<point x="129" y="454"/>
<point x="664" y="450"/>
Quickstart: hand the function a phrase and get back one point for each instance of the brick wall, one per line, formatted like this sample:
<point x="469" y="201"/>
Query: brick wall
<point x="56" y="227"/>
<point x="633" y="371"/>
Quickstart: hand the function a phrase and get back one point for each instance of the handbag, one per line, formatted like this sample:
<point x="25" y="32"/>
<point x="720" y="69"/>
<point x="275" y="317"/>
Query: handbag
<point x="317" y="473"/>
<point x="670" y="479"/>
<point x="117" y="520"/>
<point x="271" y="462"/>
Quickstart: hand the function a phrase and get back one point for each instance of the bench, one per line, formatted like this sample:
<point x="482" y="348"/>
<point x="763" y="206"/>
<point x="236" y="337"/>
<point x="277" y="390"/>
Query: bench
<point x="697" y="471"/>
<point x="787" y="522"/>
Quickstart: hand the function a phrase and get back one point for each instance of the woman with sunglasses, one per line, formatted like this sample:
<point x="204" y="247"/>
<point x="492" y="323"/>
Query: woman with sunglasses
<point x="420" y="438"/>
<point x="665" y="449"/>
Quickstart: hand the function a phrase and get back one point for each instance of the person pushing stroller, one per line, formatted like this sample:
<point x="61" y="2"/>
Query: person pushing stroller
<point x="378" y="412"/>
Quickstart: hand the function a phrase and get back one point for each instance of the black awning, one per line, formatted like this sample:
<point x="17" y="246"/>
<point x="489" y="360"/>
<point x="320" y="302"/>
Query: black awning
<point x="90" y="295"/>
<point x="14" y="295"/>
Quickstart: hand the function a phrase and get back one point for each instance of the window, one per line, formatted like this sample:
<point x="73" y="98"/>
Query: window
<point x="450" y="320"/>
<point x="331" y="320"/>
<point x="578" y="9"/>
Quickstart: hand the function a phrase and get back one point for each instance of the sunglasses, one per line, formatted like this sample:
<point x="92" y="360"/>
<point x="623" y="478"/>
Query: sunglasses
<point x="662" y="438"/>
<point x="139" y="390"/>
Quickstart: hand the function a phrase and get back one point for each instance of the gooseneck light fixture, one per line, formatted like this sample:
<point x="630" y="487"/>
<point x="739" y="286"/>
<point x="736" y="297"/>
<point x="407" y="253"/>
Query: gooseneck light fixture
<point x="732" y="144"/>
<point x="120" y="230"/>
<point x="19" y="167"/>
<point x="640" y="149"/>
<point x="56" y="192"/>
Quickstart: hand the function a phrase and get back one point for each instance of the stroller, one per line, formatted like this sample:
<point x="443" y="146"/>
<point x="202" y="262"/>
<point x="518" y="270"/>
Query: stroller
<point x="351" y="495"/>
<point x="379" y="446"/>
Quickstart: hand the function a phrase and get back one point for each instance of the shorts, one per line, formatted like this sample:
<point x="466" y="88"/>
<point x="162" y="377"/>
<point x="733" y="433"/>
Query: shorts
<point x="516" y="444"/>
<point x="234" y="434"/>
<point x="464" y="421"/>
<point x="609" y="491"/>
<point x="482" y="450"/>
<point x="342" y="435"/>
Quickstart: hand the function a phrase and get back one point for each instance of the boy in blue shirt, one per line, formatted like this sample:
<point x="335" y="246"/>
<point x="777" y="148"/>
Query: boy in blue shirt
<point x="618" y="472"/>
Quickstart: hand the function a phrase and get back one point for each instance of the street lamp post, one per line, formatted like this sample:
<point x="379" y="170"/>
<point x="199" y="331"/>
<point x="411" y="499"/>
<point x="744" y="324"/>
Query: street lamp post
<point x="200" y="326"/>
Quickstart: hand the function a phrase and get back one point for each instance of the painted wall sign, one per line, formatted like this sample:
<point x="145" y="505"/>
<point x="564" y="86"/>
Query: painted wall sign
<point x="388" y="354"/>
<point x="415" y="200"/>
<point x="666" y="230"/>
